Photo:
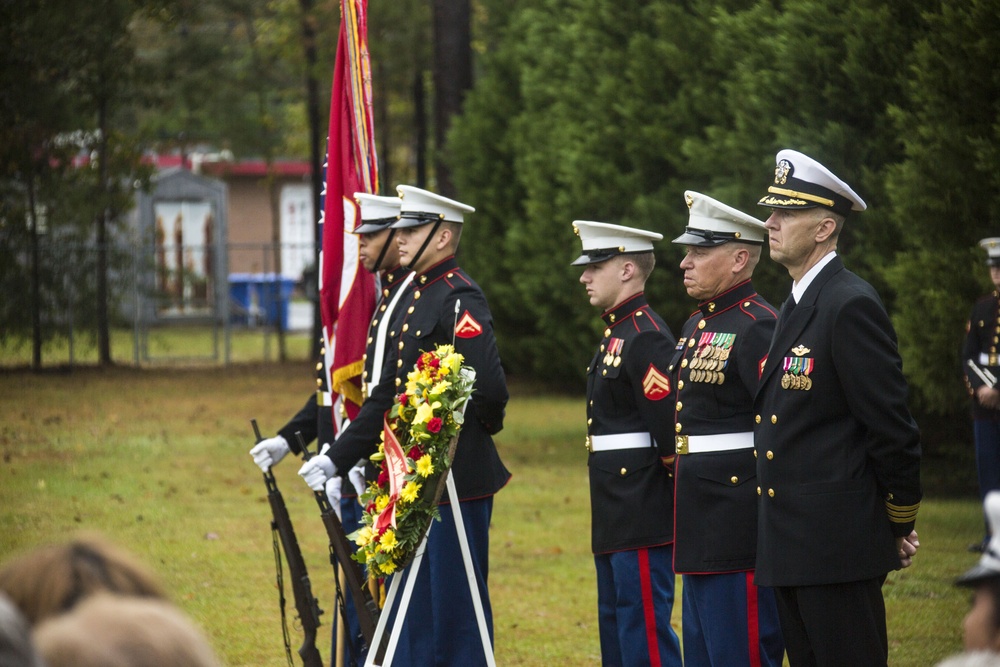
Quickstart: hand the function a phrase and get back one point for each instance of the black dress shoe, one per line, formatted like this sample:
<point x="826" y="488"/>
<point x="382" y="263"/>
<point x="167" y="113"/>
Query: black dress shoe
<point x="977" y="547"/>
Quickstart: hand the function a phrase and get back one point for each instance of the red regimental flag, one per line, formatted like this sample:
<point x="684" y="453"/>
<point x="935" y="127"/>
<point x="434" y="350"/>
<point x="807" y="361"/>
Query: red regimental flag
<point x="347" y="291"/>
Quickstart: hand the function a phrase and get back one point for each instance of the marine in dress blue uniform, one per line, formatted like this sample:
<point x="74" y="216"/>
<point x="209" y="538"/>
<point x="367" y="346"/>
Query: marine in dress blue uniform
<point x="838" y="453"/>
<point x="629" y="440"/>
<point x="727" y="620"/>
<point x="315" y="419"/>
<point x="981" y="365"/>
<point x="445" y="306"/>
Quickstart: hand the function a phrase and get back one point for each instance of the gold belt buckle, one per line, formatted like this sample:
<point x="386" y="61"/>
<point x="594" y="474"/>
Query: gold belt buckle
<point x="590" y="445"/>
<point x="993" y="360"/>
<point x="681" y="444"/>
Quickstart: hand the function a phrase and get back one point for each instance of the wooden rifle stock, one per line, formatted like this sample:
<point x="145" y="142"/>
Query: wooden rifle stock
<point x="340" y="550"/>
<point x="305" y="603"/>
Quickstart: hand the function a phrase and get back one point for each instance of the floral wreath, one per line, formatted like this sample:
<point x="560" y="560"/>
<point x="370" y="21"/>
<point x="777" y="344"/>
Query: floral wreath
<point x="418" y="441"/>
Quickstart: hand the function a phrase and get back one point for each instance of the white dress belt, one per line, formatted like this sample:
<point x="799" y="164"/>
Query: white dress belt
<point x="723" y="442"/>
<point x="987" y="359"/>
<point x="323" y="399"/>
<point x="606" y="443"/>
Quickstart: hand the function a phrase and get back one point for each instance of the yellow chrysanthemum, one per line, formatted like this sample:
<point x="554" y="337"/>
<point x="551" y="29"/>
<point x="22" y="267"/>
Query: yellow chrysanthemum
<point x="439" y="388"/>
<point x="388" y="540"/>
<point x="364" y="536"/>
<point x="387" y="567"/>
<point x="410" y="492"/>
<point x="381" y="502"/>
<point x="425" y="467"/>
<point x="425" y="411"/>
<point x="453" y="362"/>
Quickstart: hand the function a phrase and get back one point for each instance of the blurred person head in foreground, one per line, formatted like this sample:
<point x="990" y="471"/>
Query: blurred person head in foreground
<point x="53" y="579"/>
<point x="982" y="624"/>
<point x="16" y="648"/>
<point x="108" y="630"/>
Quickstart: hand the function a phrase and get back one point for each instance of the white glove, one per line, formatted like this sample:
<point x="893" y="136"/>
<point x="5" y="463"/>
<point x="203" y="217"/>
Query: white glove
<point x="268" y="452"/>
<point x="317" y="470"/>
<point x="357" y="477"/>
<point x="333" y="494"/>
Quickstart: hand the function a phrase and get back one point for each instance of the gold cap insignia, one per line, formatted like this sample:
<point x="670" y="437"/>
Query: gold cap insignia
<point x="782" y="171"/>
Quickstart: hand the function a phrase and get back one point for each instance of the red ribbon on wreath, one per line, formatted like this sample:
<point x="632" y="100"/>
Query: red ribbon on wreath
<point x="395" y="468"/>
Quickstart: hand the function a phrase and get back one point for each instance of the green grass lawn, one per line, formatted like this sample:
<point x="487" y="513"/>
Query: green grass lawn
<point x="157" y="461"/>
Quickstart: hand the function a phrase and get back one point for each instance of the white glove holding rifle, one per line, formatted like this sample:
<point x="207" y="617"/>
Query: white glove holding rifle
<point x="269" y="452"/>
<point x="357" y="477"/>
<point x="333" y="486"/>
<point x="317" y="470"/>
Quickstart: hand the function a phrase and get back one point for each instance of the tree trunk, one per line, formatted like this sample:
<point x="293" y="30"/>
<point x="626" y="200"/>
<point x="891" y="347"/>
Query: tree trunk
<point x="452" y="77"/>
<point x="36" y="293"/>
<point x="315" y="159"/>
<point x="103" y="325"/>
<point x="420" y="128"/>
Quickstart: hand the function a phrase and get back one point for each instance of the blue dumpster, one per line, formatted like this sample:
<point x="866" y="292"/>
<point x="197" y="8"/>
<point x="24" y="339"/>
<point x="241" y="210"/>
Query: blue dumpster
<point x="260" y="299"/>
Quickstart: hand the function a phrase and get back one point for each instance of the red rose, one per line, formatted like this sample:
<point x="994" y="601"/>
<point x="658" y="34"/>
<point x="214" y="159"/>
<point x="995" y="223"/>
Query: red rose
<point x="414" y="453"/>
<point x="435" y="362"/>
<point x="383" y="478"/>
<point x="434" y="424"/>
<point x="402" y="398"/>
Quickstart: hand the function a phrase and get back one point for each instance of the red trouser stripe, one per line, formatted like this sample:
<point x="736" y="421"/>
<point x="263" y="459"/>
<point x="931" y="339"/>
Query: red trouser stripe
<point x="753" y="622"/>
<point x="652" y="644"/>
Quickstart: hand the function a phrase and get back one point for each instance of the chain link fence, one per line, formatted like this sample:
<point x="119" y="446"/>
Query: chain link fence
<point x="167" y="304"/>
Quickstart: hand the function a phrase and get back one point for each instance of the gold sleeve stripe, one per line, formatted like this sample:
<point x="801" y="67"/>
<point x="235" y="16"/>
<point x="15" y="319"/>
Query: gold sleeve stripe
<point x="901" y="513"/>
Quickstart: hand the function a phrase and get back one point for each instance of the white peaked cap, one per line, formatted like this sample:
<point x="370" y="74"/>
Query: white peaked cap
<point x="377" y="212"/>
<point x="802" y="182"/>
<point x="420" y="207"/>
<point x="712" y="223"/>
<point x="992" y="248"/>
<point x="602" y="240"/>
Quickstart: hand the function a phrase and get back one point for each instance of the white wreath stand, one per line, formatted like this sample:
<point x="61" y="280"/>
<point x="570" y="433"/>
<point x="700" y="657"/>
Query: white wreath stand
<point x="411" y="577"/>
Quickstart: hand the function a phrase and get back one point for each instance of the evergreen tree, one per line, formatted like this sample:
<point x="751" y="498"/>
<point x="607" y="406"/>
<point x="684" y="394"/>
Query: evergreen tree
<point x="947" y="192"/>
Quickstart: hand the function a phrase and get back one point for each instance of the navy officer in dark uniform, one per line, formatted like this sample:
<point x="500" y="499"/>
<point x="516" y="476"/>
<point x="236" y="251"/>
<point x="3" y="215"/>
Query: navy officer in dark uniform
<point x="446" y="306"/>
<point x="727" y="620"/>
<point x="630" y="440"/>
<point x="838" y="453"/>
<point x="378" y="254"/>
<point x="981" y="364"/>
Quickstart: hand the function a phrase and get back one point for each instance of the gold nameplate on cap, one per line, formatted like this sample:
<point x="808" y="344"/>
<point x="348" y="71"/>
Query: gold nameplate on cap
<point x="800" y="350"/>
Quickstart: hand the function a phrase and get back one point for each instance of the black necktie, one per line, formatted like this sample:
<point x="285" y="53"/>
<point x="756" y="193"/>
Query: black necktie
<point x="786" y="311"/>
